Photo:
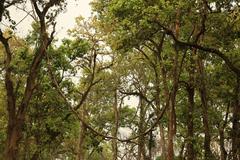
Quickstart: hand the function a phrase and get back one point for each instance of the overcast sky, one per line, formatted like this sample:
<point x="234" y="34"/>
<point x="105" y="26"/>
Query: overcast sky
<point x="65" y="20"/>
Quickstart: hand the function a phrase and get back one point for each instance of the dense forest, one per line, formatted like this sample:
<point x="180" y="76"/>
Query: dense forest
<point x="138" y="80"/>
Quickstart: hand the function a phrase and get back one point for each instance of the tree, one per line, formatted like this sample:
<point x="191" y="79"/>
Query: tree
<point x="137" y="80"/>
<point x="136" y="24"/>
<point x="17" y="110"/>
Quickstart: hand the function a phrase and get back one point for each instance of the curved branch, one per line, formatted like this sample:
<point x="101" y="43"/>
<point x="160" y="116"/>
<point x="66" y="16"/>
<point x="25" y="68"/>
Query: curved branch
<point x="202" y="48"/>
<point x="56" y="85"/>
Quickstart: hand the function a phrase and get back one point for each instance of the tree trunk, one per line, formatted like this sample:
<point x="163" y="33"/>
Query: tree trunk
<point x="221" y="128"/>
<point x="115" y="128"/>
<point x="16" y="115"/>
<point x="203" y="95"/>
<point x="141" y="140"/>
<point x="236" y="123"/>
<point x="170" y="155"/>
<point x="13" y="137"/>
<point x="82" y="136"/>
<point x="172" y="114"/>
<point x="222" y="148"/>
<point x="190" y="133"/>
<point x="150" y="146"/>
<point x="167" y="99"/>
<point x="191" y="92"/>
<point x="163" y="143"/>
<point x="81" y="150"/>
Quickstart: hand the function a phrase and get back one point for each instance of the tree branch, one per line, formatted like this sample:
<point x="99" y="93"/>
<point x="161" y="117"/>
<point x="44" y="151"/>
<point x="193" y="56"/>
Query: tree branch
<point x="202" y="48"/>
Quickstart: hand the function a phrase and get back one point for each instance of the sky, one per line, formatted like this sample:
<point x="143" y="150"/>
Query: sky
<point x="65" y="20"/>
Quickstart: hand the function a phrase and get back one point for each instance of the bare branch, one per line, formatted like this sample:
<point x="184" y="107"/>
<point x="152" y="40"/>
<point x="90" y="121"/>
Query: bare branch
<point x="34" y="3"/>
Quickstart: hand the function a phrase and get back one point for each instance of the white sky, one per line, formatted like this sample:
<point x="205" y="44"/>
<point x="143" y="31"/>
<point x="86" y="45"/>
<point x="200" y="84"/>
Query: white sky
<point x="65" y="20"/>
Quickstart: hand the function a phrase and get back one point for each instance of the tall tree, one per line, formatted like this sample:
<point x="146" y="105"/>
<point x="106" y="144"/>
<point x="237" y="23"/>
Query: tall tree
<point x="17" y="111"/>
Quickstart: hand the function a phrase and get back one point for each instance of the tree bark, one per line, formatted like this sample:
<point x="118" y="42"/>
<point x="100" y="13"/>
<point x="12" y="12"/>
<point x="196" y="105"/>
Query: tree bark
<point x="115" y="128"/>
<point x="190" y="132"/>
<point x="203" y="95"/>
<point x="12" y="129"/>
<point x="166" y="95"/>
<point x="172" y="114"/>
<point x="236" y="123"/>
<point x="163" y="143"/>
<point x="81" y="150"/>
<point x="221" y="128"/>
<point x="141" y="140"/>
<point x="191" y="92"/>
<point x="82" y="135"/>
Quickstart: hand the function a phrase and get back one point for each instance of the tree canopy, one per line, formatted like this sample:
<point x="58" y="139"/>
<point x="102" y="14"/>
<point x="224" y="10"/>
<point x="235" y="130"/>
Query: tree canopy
<point x="138" y="80"/>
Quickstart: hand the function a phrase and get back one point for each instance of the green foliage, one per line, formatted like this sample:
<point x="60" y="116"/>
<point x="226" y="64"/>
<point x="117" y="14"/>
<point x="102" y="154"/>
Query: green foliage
<point x="127" y="49"/>
<point x="73" y="49"/>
